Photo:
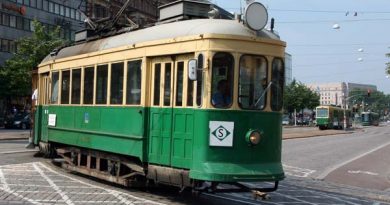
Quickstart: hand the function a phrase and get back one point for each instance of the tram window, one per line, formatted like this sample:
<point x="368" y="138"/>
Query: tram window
<point x="134" y="77"/>
<point x="76" y="83"/>
<point x="89" y="74"/>
<point x="101" y="84"/>
<point x="167" y="84"/>
<point x="190" y="93"/>
<point x="199" y="80"/>
<point x="179" y="84"/>
<point x="54" y="87"/>
<point x="252" y="82"/>
<point x="65" y="87"/>
<point x="157" y="79"/>
<point x="222" y="80"/>
<point x="116" y="83"/>
<point x="277" y="84"/>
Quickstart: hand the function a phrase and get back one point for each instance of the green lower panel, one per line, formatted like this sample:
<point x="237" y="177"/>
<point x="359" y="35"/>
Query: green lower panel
<point x="241" y="161"/>
<point x="112" y="129"/>
<point x="323" y="122"/>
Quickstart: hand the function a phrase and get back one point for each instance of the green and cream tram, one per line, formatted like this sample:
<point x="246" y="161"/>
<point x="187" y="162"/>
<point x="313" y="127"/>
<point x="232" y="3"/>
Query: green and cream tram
<point x="180" y="103"/>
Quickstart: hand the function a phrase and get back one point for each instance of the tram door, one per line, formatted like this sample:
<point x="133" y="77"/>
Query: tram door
<point x="170" y="142"/>
<point x="41" y="117"/>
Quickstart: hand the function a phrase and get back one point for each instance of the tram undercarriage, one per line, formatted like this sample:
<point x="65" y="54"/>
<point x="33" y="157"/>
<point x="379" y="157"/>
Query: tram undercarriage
<point x="129" y="172"/>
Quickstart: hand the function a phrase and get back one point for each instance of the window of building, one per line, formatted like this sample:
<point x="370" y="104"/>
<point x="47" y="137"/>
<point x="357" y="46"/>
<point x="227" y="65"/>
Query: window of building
<point x="12" y="46"/>
<point x="5" y="19"/>
<point x="199" y="80"/>
<point x="26" y="24"/>
<point x="4" y="45"/>
<point x="134" y="78"/>
<point x="39" y="4"/>
<point x="32" y="26"/>
<point x="72" y="13"/>
<point x="20" y="1"/>
<point x="65" y="87"/>
<point x="157" y="81"/>
<point x="33" y="3"/>
<point x="19" y="23"/>
<point x="67" y="12"/>
<point x="179" y="84"/>
<point x="277" y="84"/>
<point x="77" y="15"/>
<point x="76" y="86"/>
<point x="56" y="8"/>
<point x="62" y="10"/>
<point x="101" y="84"/>
<point x="54" y="88"/>
<point x="116" y="83"/>
<point x="89" y="75"/>
<point x="252" y="82"/>
<point x="12" y="21"/>
<point x="222" y="80"/>
<point x="26" y="2"/>
<point x="45" y="5"/>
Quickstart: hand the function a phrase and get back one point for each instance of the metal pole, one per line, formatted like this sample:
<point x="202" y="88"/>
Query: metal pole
<point x="295" y="117"/>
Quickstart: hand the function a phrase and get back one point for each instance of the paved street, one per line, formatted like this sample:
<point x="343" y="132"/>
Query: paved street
<point x="25" y="179"/>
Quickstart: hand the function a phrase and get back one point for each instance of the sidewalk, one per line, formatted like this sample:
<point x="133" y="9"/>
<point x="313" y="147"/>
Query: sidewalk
<point x="304" y="132"/>
<point x="13" y="134"/>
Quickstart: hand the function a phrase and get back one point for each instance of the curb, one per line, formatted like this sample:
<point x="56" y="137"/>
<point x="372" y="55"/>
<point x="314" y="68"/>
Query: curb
<point x="14" y="138"/>
<point x="317" y="135"/>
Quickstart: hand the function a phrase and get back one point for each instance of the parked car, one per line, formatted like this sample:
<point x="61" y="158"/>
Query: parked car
<point x="19" y="120"/>
<point x="286" y="121"/>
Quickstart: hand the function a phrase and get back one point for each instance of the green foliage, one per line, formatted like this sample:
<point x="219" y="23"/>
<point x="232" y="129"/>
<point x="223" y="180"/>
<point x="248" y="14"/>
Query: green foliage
<point x="15" y="75"/>
<point x="377" y="102"/>
<point x="298" y="96"/>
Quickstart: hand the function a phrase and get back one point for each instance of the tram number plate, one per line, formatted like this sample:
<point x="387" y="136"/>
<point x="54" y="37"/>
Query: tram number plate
<point x="221" y="133"/>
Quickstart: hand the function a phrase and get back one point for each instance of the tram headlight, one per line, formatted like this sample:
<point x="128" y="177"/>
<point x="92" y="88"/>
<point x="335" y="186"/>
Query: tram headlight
<point x="253" y="137"/>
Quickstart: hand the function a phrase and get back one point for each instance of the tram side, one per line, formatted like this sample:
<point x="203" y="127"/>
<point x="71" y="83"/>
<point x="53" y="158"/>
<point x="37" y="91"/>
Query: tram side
<point x="144" y="111"/>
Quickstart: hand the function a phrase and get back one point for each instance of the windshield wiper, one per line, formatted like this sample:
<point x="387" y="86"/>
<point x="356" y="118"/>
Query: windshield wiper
<point x="264" y="92"/>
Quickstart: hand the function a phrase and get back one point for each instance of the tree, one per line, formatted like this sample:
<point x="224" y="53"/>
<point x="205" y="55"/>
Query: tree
<point x="376" y="102"/>
<point x="298" y="96"/>
<point x="15" y="75"/>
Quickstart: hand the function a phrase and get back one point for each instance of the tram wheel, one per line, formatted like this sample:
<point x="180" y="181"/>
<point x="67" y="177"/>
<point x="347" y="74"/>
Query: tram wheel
<point x="47" y="149"/>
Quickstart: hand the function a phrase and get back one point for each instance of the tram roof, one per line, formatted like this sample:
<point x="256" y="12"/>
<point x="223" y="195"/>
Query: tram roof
<point x="163" y="31"/>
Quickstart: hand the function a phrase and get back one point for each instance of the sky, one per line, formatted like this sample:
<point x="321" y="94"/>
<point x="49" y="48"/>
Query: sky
<point x="353" y="53"/>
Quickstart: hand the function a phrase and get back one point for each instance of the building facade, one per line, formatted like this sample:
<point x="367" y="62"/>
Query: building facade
<point x="333" y="93"/>
<point x="288" y="68"/>
<point x="16" y="17"/>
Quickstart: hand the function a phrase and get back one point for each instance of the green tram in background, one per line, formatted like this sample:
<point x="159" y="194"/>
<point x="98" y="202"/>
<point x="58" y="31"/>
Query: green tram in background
<point x="188" y="103"/>
<point x="370" y="118"/>
<point x="332" y="117"/>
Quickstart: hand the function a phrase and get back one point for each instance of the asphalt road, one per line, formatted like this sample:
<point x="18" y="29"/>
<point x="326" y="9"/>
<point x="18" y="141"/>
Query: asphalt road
<point x="25" y="179"/>
<point x="318" y="156"/>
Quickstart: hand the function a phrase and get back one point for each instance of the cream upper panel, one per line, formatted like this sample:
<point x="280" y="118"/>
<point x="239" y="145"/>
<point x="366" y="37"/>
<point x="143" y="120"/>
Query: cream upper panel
<point x="170" y="33"/>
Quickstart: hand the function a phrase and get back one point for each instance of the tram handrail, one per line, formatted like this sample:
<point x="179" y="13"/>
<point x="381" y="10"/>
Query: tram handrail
<point x="263" y="94"/>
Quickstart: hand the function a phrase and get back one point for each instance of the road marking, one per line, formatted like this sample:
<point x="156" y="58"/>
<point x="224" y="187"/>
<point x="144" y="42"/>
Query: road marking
<point x="54" y="186"/>
<point x="3" y="182"/>
<point x="100" y="188"/>
<point x="297" y="171"/>
<point x="328" y="171"/>
<point x="362" y="172"/>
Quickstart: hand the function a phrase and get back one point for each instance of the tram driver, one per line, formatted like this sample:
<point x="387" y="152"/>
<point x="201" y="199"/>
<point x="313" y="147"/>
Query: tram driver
<point x="222" y="98"/>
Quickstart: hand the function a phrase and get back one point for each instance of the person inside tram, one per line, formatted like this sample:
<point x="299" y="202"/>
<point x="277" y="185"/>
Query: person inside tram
<point x="222" y="98"/>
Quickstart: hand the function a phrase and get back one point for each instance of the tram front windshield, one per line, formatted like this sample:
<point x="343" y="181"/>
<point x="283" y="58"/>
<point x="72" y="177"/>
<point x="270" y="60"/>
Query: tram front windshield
<point x="322" y="112"/>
